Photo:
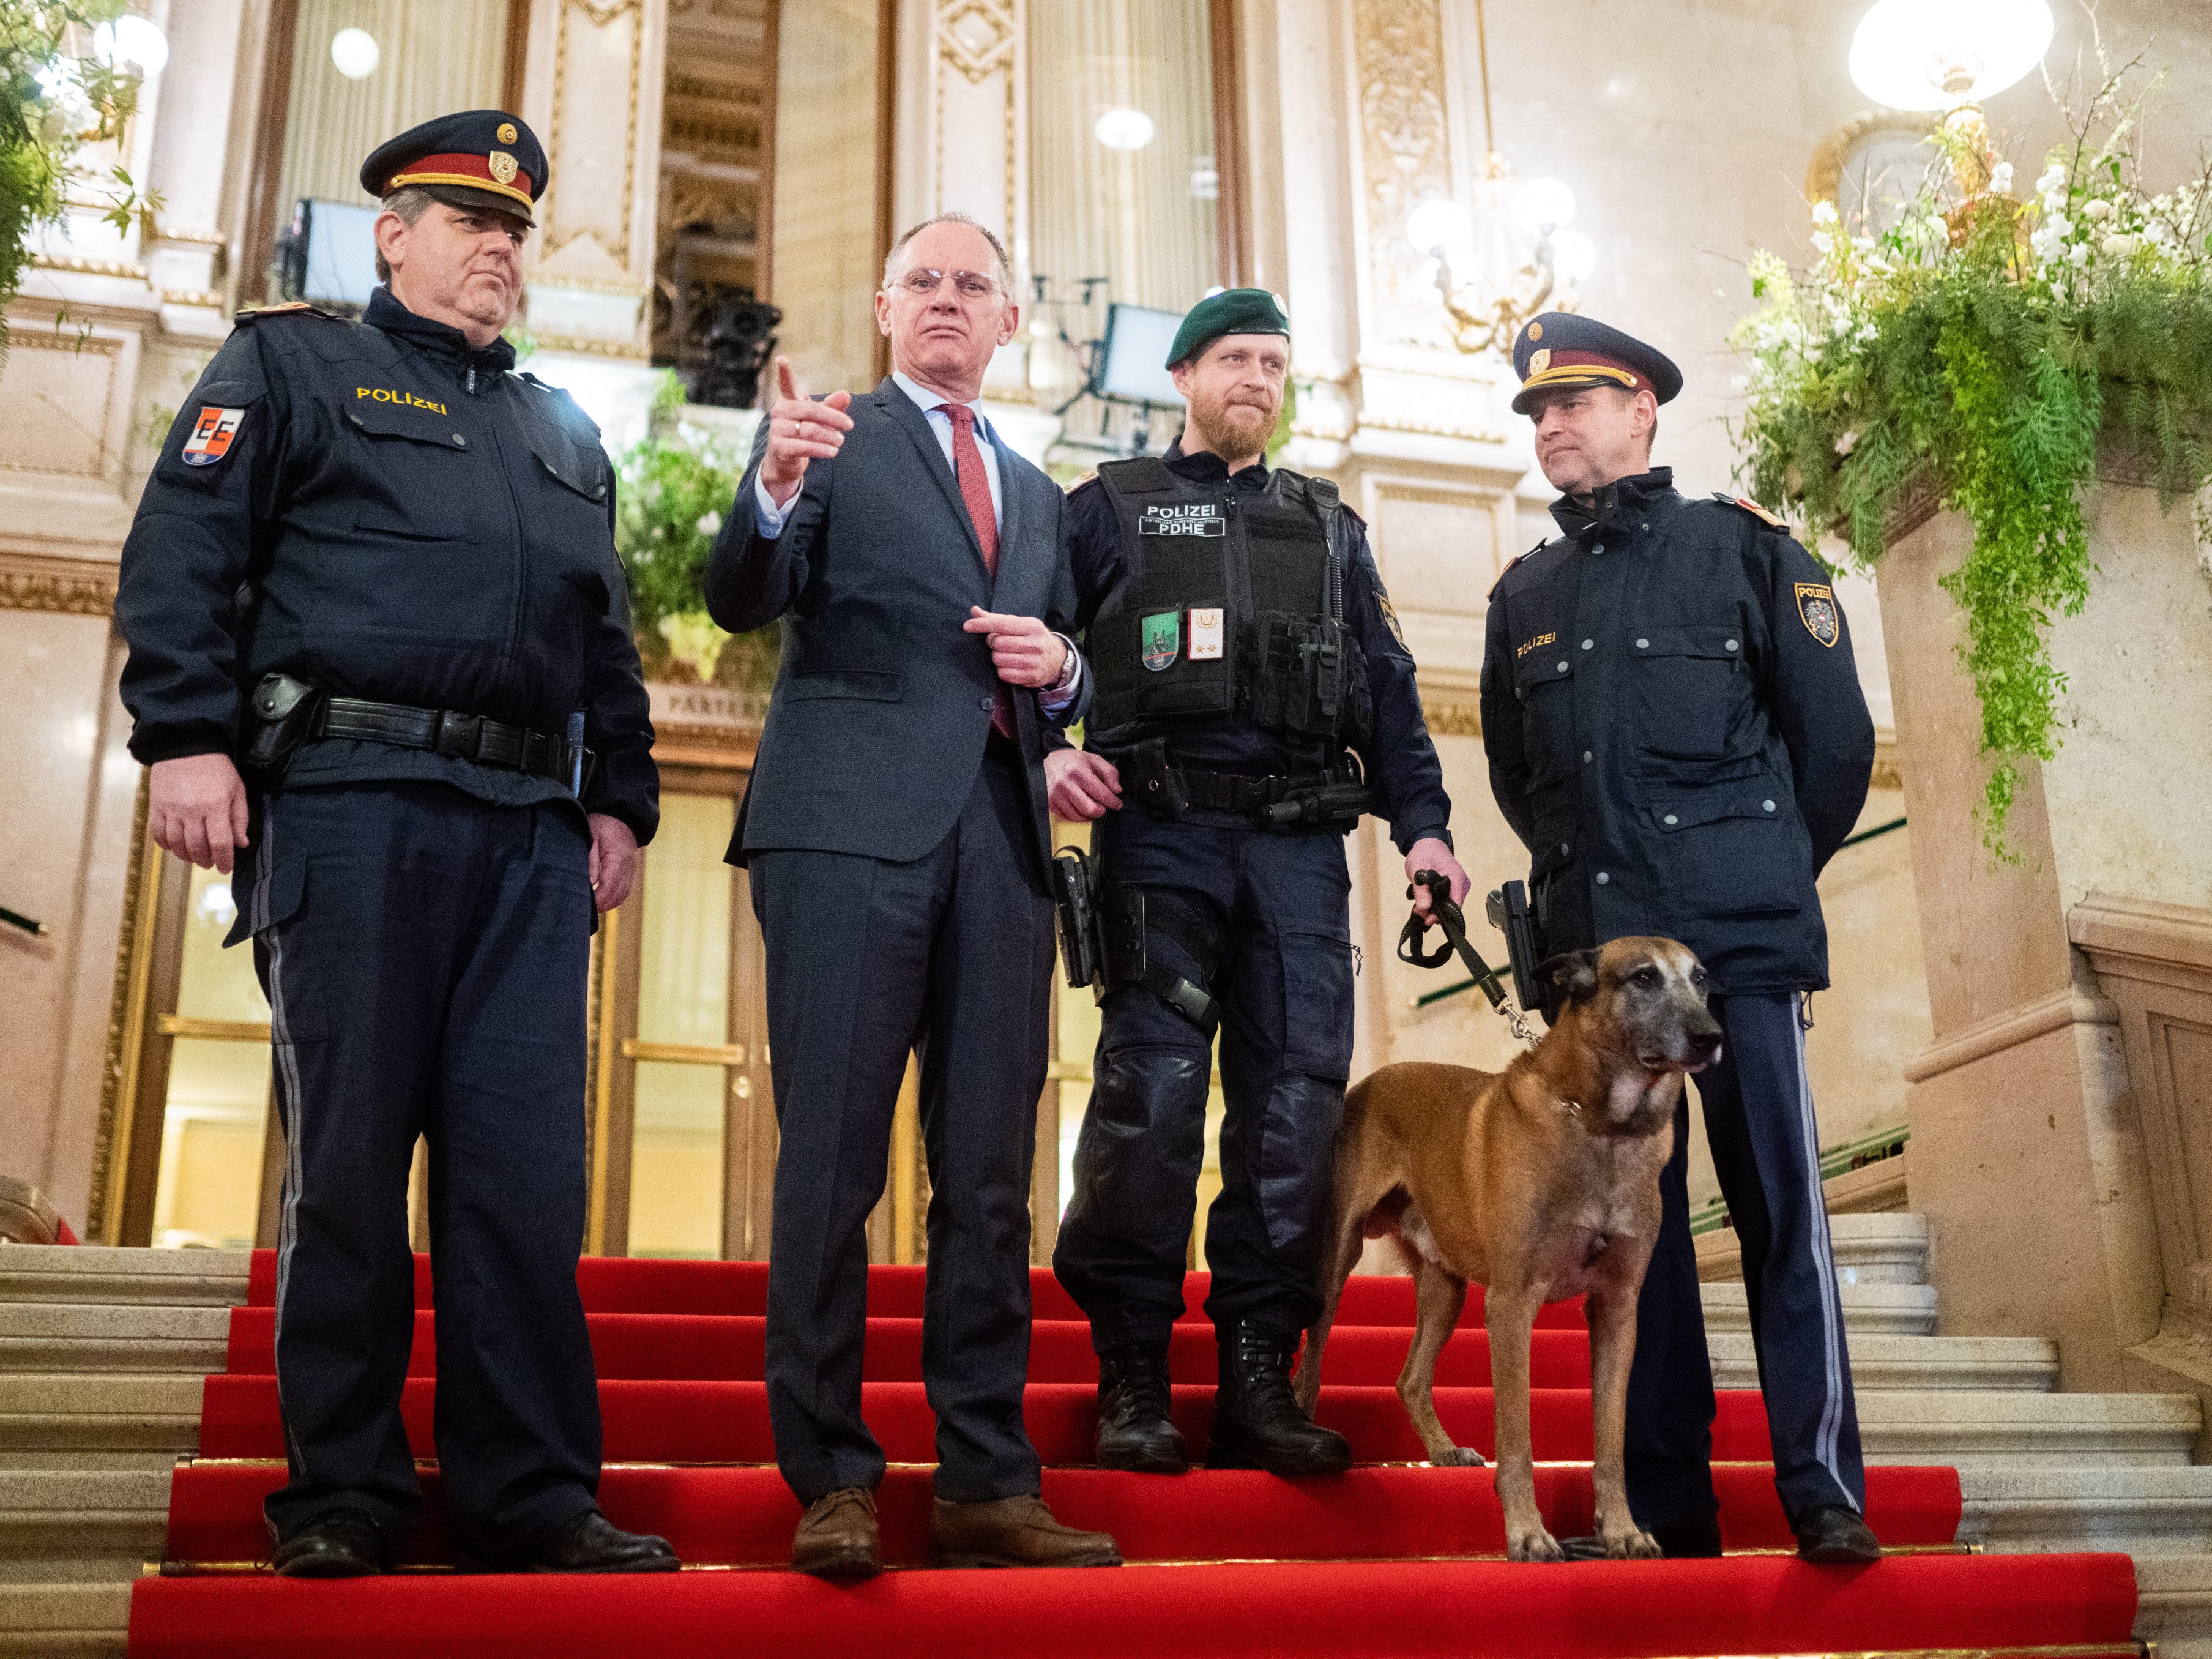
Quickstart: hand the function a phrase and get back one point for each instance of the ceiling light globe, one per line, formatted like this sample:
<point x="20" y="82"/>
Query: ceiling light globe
<point x="1574" y="256"/>
<point x="1543" y="204"/>
<point x="132" y="39"/>
<point x="1124" y="128"/>
<point x="1439" y="223"/>
<point x="1938" y="54"/>
<point x="354" y="53"/>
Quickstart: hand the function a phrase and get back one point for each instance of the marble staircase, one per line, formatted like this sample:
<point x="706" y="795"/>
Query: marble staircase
<point x="101" y="1357"/>
<point x="102" y="1351"/>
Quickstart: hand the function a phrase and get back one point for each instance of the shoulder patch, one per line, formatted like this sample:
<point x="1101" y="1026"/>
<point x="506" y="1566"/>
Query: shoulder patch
<point x="1755" y="510"/>
<point x="1816" y="609"/>
<point x="1515" y="559"/>
<point x="289" y="309"/>
<point x="1389" y="614"/>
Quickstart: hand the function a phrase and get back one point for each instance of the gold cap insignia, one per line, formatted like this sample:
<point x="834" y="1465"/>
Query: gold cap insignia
<point x="1631" y="380"/>
<point x="507" y="135"/>
<point x="1535" y="330"/>
<point x="503" y="167"/>
<point x="1540" y="361"/>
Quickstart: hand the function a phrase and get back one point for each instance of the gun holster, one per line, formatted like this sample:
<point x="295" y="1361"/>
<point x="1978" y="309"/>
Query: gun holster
<point x="280" y="716"/>
<point x="1159" y="781"/>
<point x="1508" y="906"/>
<point x="1129" y="913"/>
<point x="1075" y="896"/>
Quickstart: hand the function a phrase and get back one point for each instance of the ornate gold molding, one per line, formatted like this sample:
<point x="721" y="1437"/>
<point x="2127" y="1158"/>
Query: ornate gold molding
<point x="1404" y="134"/>
<point x="600" y="13"/>
<point x="72" y="587"/>
<point x="82" y="343"/>
<point x="1452" y="717"/>
<point x="625" y="351"/>
<point x="959" y="31"/>
<point x="205" y="299"/>
<point x="194" y="237"/>
<point x="1824" y="174"/>
<point x="126" y="1025"/>
<point x="81" y="266"/>
<point x="590" y="285"/>
<point x="1373" y="422"/>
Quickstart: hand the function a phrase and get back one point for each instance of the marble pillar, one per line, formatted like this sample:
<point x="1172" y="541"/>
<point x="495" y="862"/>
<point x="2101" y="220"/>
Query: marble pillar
<point x="2028" y="1151"/>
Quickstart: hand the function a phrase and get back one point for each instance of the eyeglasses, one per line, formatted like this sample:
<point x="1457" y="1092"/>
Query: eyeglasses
<point x="968" y="284"/>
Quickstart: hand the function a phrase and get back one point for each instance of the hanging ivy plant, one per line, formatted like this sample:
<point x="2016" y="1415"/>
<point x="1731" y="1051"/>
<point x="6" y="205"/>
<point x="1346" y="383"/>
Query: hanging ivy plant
<point x="1984" y="347"/>
<point x="56" y="96"/>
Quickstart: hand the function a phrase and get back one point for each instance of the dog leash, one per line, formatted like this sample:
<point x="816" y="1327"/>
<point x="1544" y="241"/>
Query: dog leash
<point x="1451" y="921"/>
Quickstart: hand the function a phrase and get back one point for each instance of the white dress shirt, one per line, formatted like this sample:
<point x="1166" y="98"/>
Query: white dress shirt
<point x="772" y="518"/>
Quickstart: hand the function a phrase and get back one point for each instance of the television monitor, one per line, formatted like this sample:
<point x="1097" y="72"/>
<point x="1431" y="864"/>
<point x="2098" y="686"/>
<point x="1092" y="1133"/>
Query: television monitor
<point x="337" y="252"/>
<point x="1132" y="360"/>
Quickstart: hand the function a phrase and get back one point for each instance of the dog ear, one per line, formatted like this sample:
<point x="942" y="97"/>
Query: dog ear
<point x="1572" y="974"/>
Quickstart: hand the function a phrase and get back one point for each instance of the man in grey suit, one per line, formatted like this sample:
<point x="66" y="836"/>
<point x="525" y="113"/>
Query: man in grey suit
<point x="897" y="838"/>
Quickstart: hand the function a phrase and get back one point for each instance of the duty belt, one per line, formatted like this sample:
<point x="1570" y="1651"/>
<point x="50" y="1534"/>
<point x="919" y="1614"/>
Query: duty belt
<point x="470" y="736"/>
<point x="1278" y="800"/>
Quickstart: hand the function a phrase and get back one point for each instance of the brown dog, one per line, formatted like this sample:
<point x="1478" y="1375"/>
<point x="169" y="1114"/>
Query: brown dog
<point x="1539" y="1182"/>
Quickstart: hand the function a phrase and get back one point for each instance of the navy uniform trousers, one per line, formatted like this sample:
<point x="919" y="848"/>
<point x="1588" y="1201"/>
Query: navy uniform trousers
<point x="1279" y="906"/>
<point x="1758" y="1104"/>
<point x="425" y="956"/>
<point x="948" y="956"/>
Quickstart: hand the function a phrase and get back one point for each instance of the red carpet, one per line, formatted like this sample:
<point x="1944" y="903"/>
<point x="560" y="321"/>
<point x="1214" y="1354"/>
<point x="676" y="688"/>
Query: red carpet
<point x="1376" y="1562"/>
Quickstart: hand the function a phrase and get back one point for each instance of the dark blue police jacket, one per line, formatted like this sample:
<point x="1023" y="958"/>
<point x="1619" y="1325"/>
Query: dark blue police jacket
<point x="384" y="511"/>
<point x="1675" y="728"/>
<point x="1399" y="761"/>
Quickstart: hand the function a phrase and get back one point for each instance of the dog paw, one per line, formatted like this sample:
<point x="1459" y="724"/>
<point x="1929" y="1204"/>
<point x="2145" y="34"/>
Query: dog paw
<point x="1633" y="1546"/>
<point x="1536" y="1546"/>
<point x="1459" y="1457"/>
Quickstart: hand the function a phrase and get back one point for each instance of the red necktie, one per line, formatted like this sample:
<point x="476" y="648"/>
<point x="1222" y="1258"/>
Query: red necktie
<point x="976" y="494"/>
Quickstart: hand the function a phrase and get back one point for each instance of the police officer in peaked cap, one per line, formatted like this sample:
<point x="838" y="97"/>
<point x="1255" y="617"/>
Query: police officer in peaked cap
<point x="1254" y="697"/>
<point x="1675" y="728"/>
<point x="381" y="656"/>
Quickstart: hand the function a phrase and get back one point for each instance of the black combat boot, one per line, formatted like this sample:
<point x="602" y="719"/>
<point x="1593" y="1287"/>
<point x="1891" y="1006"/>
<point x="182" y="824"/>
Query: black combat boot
<point x="1256" y="1423"/>
<point x="1134" y="1430"/>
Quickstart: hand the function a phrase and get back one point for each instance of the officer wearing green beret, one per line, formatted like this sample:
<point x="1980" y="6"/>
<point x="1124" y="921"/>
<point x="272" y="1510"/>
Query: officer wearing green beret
<point x="1254" y="698"/>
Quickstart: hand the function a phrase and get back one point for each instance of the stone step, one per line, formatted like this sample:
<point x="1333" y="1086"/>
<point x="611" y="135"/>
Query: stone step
<point x="2173" y="1605"/>
<point x="1887" y="1249"/>
<point x="2144" y="1511"/>
<point x="1996" y="1429"/>
<point x="1877" y="1310"/>
<point x="60" y="1336"/>
<point x="1979" y="1364"/>
<point x="116" y="1420"/>
<point x="80" y="1526"/>
<point x="97" y="1272"/>
<point x="76" y="1620"/>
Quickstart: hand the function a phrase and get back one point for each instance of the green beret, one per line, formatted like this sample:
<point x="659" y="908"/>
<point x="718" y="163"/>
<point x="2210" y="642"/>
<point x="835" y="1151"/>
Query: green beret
<point x="1232" y="310"/>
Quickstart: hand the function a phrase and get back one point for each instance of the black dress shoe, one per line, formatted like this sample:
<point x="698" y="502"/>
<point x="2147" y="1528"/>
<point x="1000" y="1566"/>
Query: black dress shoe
<point x="1690" y="1540"/>
<point x="1257" y="1424"/>
<point x="1134" y="1428"/>
<point x="337" y="1544"/>
<point x="590" y="1543"/>
<point x="1832" y="1534"/>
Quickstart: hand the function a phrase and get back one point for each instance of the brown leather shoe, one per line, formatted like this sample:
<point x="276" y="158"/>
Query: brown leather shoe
<point x="1012" y="1531"/>
<point x="837" y="1536"/>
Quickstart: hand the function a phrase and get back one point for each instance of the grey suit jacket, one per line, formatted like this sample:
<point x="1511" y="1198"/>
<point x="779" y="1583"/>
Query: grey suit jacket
<point x="875" y="733"/>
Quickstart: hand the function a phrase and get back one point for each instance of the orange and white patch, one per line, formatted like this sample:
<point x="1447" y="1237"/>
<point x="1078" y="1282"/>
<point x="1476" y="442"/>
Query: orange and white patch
<point x="212" y="435"/>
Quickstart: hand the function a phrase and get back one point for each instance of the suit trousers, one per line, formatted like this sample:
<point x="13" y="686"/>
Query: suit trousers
<point x="949" y="957"/>
<point x="1758" y="1105"/>
<point x="425" y="956"/>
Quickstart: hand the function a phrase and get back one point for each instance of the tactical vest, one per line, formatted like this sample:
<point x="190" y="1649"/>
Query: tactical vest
<point x="1238" y="606"/>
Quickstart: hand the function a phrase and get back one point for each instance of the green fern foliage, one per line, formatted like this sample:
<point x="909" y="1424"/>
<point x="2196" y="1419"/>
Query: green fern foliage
<point x="1983" y="349"/>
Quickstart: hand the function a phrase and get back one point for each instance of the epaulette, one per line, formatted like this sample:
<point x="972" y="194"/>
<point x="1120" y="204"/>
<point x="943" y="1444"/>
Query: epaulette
<point x="1755" y="510"/>
<point x="1091" y="476"/>
<point x="290" y="307"/>
<point x="563" y="395"/>
<point x="1516" y="559"/>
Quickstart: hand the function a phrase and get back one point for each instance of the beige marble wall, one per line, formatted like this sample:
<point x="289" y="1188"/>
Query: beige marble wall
<point x="68" y="827"/>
